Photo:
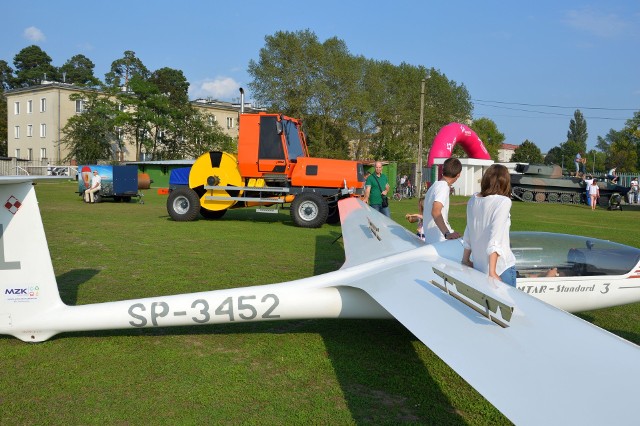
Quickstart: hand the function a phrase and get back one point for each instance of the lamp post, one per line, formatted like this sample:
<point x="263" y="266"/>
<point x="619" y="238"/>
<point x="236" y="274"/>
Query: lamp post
<point x="420" y="133"/>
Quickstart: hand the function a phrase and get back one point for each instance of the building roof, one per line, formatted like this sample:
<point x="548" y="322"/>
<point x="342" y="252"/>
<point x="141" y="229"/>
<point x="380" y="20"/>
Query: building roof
<point x="509" y="146"/>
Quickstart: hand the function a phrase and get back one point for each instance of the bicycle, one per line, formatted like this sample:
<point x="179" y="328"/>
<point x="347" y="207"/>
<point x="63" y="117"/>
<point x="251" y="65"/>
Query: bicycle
<point x="397" y="195"/>
<point x="403" y="192"/>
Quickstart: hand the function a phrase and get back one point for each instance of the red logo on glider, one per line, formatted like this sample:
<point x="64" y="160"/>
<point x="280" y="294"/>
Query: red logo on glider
<point x="12" y="204"/>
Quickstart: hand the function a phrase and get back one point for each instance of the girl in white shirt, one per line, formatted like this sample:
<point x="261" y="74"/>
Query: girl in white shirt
<point x="594" y="193"/>
<point x="488" y="223"/>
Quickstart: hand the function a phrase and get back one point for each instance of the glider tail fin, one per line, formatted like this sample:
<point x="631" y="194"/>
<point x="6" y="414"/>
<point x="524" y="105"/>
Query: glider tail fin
<point x="27" y="281"/>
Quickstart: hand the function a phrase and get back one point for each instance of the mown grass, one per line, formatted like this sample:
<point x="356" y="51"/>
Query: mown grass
<point x="292" y="372"/>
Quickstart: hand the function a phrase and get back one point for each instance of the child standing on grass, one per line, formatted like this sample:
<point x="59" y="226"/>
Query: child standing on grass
<point x="412" y="218"/>
<point x="594" y="193"/>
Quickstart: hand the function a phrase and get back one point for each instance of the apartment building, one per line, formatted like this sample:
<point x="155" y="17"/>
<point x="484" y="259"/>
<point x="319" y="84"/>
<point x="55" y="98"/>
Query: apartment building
<point x="37" y="115"/>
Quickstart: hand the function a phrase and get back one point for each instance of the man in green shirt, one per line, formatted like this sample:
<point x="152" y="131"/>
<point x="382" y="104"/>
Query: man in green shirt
<point x="377" y="185"/>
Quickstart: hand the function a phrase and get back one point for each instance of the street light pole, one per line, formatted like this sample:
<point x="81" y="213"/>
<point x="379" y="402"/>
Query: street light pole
<point x="420" y="132"/>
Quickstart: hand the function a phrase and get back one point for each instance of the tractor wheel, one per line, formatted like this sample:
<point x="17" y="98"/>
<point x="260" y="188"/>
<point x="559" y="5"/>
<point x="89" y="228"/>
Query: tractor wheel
<point x="183" y="204"/>
<point x="309" y="210"/>
<point x="211" y="214"/>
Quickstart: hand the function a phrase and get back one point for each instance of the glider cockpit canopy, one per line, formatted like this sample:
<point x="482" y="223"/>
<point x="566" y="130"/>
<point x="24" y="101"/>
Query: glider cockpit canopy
<point x="537" y="252"/>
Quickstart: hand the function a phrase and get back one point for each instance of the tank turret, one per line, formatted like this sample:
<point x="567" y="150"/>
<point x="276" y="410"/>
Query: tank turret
<point x="543" y="170"/>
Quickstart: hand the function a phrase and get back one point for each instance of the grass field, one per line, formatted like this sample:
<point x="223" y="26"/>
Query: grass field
<point x="330" y="372"/>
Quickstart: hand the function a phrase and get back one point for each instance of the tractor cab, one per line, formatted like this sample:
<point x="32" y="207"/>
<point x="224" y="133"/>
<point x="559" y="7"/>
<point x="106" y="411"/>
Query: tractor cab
<point x="269" y="145"/>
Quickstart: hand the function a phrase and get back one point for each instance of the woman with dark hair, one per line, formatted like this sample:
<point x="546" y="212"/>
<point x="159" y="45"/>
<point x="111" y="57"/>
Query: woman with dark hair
<point x="488" y="223"/>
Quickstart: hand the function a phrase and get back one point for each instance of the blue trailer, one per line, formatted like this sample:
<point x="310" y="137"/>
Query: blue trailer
<point x="119" y="183"/>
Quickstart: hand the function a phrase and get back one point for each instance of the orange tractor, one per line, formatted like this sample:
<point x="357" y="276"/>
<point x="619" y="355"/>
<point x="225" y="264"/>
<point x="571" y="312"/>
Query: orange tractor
<point x="272" y="167"/>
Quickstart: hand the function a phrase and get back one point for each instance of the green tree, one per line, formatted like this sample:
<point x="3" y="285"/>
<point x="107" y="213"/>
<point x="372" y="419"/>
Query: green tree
<point x="89" y="136"/>
<point x="569" y="150"/>
<point x="196" y="134"/>
<point x="576" y="143"/>
<point x="142" y="107"/>
<point x="6" y="76"/>
<point x="596" y="161"/>
<point x="488" y="132"/>
<point x="143" y="111"/>
<point x="527" y="152"/>
<point x="554" y="156"/>
<point x="173" y="84"/>
<point x="578" y="131"/>
<point x="165" y="102"/>
<point x="359" y="111"/>
<point x="32" y="66"/>
<point x="6" y="81"/>
<point x="622" y="147"/>
<point x="613" y="145"/>
<point x="632" y="131"/>
<point x="79" y="71"/>
<point x="282" y="76"/>
<point x="125" y="69"/>
<point x="351" y="104"/>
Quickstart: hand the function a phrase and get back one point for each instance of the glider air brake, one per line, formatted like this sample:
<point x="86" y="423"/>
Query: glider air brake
<point x="536" y="363"/>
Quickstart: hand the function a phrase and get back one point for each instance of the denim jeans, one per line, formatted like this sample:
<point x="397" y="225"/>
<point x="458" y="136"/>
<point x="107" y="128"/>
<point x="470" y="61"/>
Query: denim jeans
<point x="509" y="276"/>
<point x="384" y="210"/>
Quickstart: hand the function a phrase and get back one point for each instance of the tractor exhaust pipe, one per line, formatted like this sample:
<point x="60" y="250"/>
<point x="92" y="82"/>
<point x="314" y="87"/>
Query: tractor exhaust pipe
<point x="241" y="100"/>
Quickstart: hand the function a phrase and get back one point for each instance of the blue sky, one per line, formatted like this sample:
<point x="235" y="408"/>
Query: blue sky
<point x="527" y="65"/>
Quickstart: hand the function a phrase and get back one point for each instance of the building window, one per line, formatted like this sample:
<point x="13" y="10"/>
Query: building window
<point x="29" y="106"/>
<point x="16" y="132"/>
<point x="16" y="108"/>
<point x="43" y="130"/>
<point x="79" y="106"/>
<point x="43" y="104"/>
<point x="17" y="152"/>
<point x="30" y="154"/>
<point x="43" y="153"/>
<point x="229" y="122"/>
<point x="29" y="130"/>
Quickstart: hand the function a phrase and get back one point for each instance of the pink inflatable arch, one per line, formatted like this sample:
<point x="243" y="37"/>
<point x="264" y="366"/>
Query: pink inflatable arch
<point x="454" y="133"/>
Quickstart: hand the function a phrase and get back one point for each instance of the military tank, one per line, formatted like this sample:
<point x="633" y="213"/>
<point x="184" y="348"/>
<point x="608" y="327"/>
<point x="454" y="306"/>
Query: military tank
<point x="542" y="183"/>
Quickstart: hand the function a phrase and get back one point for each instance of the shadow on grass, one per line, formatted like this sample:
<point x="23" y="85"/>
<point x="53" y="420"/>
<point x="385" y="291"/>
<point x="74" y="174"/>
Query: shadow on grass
<point x="624" y="333"/>
<point x="361" y="352"/>
<point x="248" y="214"/>
<point x="69" y="282"/>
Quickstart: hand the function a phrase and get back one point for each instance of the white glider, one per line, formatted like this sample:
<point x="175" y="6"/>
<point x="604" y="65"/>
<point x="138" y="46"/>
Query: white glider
<point x="536" y="363"/>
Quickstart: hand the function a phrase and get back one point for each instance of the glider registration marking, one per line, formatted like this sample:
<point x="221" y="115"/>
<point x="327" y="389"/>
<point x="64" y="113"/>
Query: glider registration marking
<point x="227" y="308"/>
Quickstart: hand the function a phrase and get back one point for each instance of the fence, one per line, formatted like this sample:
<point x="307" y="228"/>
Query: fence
<point x="13" y="166"/>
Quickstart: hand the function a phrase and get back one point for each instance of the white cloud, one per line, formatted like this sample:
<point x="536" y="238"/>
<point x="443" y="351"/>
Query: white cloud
<point x="597" y="23"/>
<point x="34" y="34"/>
<point x="222" y="88"/>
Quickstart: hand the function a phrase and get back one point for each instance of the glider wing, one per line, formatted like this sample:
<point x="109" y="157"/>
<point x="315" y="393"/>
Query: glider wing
<point x="537" y="364"/>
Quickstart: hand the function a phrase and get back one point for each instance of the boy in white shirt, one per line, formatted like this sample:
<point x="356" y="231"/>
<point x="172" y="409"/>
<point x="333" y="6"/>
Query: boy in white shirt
<point x="436" y="204"/>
